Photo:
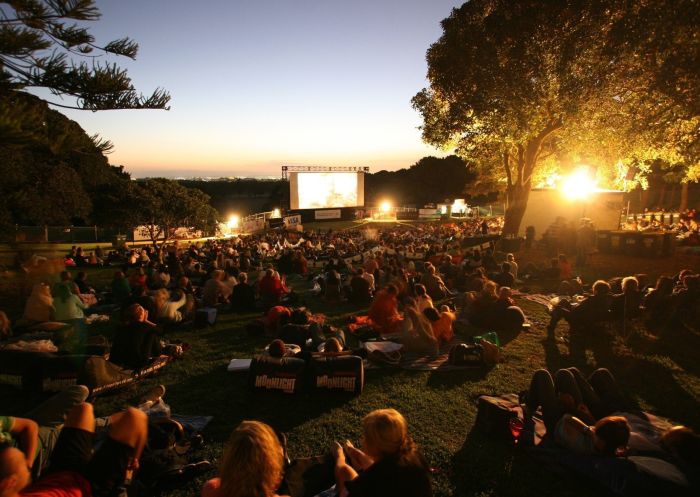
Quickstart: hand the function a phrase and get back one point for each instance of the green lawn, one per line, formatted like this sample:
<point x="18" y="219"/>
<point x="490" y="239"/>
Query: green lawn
<point x="662" y="374"/>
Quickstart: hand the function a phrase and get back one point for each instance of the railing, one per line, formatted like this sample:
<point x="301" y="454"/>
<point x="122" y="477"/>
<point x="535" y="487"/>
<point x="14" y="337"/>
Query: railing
<point x="662" y="217"/>
<point x="68" y="234"/>
<point x="96" y="234"/>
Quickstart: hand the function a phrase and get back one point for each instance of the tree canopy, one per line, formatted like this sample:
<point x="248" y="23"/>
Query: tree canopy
<point x="42" y="44"/>
<point x="58" y="175"/>
<point x="165" y="205"/>
<point x="431" y="179"/>
<point x="519" y="86"/>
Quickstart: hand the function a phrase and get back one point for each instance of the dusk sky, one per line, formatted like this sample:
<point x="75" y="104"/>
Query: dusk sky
<point x="261" y="83"/>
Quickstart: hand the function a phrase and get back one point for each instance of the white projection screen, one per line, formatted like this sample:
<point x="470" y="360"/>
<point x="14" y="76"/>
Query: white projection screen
<point x="321" y="190"/>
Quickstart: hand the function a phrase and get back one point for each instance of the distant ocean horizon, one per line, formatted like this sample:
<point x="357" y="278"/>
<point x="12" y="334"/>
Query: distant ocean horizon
<point x="199" y="177"/>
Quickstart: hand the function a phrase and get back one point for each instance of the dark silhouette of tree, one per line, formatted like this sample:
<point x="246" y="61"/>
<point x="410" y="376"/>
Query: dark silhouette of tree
<point x="431" y="179"/>
<point x="42" y="45"/>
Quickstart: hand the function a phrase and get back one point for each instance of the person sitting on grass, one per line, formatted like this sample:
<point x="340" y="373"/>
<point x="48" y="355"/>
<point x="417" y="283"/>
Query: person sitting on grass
<point x="423" y="300"/>
<point x="83" y="286"/>
<point x="586" y="314"/>
<point x="39" y="307"/>
<point x="167" y="310"/>
<point x="120" y="288"/>
<point x="75" y="469"/>
<point x="479" y="306"/>
<point x="243" y="295"/>
<point x="138" y="296"/>
<point x="252" y="466"/>
<point x="566" y="272"/>
<point x="136" y="344"/>
<point x="332" y="290"/>
<point x="625" y="305"/>
<point x="434" y="285"/>
<point x="271" y="288"/>
<point x="417" y="334"/>
<point x="384" y="310"/>
<point x="507" y="315"/>
<point x="505" y="277"/>
<point x="389" y="463"/>
<point x="215" y="290"/>
<point x="68" y="308"/>
<point x="441" y="322"/>
<point x="687" y="299"/>
<point x="658" y="302"/>
<point x="360" y="288"/>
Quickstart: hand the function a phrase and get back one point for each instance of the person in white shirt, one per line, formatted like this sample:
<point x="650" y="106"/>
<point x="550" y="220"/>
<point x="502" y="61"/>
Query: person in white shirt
<point x="370" y="279"/>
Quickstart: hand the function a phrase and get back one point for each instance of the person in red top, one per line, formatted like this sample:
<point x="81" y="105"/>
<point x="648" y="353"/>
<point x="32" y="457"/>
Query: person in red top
<point x="441" y="322"/>
<point x="384" y="310"/>
<point x="271" y="288"/>
<point x="566" y="272"/>
<point x="75" y="471"/>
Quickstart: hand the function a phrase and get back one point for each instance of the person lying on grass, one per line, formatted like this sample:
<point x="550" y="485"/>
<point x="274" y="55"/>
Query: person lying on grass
<point x="577" y="412"/>
<point x="75" y="469"/>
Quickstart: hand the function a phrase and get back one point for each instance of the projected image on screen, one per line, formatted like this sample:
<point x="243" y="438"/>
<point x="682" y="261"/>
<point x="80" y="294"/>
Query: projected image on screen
<point x="321" y="190"/>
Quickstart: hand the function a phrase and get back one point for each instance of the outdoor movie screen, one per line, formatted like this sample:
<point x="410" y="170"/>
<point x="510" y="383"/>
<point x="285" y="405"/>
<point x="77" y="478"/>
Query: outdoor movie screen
<point x="316" y="190"/>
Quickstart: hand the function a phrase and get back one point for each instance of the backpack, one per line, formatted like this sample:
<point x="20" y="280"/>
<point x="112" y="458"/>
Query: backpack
<point x="464" y="354"/>
<point x="494" y="414"/>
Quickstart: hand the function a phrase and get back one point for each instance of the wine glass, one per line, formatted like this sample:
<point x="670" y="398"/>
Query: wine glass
<point x="516" y="426"/>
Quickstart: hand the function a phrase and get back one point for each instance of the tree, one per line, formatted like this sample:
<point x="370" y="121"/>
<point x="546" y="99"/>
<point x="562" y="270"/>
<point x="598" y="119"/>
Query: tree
<point x="431" y="179"/>
<point x="165" y="206"/>
<point x="514" y="85"/>
<point x="40" y="41"/>
<point x="54" y="173"/>
<point x="504" y="78"/>
<point x="656" y="79"/>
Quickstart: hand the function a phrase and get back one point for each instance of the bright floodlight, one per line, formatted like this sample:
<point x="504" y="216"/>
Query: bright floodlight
<point x="276" y="213"/>
<point x="385" y="206"/>
<point x="233" y="221"/>
<point x="578" y="185"/>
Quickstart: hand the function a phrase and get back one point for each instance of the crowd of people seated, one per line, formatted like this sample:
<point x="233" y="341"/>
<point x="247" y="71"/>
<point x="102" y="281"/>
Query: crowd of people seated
<point x="420" y="286"/>
<point x="672" y="301"/>
<point x="684" y="224"/>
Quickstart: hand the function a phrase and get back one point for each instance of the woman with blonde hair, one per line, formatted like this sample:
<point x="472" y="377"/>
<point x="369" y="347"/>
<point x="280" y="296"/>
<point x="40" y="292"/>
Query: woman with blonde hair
<point x="39" y="306"/>
<point x="168" y="311"/>
<point x="390" y="463"/>
<point x="417" y="334"/>
<point x="252" y="466"/>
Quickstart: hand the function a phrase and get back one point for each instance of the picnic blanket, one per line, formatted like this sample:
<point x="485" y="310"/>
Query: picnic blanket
<point x="102" y="376"/>
<point x="416" y="362"/>
<point x="539" y="298"/>
<point x="644" y="471"/>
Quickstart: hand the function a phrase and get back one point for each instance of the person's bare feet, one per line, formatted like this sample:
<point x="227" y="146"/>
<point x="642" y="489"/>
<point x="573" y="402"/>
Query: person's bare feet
<point x="338" y="453"/>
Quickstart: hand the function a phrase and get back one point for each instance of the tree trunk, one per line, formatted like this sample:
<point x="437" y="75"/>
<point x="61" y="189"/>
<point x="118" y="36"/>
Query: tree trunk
<point x="644" y="198"/>
<point x="662" y="196"/>
<point x="517" y="203"/>
<point x="519" y="181"/>
<point x="684" y="197"/>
